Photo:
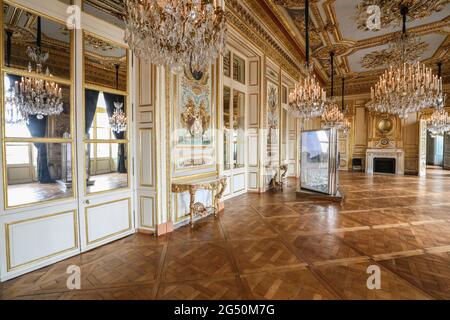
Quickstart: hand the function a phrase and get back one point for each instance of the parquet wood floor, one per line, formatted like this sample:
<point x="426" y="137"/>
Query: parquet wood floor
<point x="278" y="246"/>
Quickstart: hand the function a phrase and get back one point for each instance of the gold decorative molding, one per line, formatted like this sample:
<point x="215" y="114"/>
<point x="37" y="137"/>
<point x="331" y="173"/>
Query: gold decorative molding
<point x="325" y="26"/>
<point x="250" y="28"/>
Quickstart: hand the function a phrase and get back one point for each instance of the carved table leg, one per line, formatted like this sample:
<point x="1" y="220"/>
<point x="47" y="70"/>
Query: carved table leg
<point x="217" y="198"/>
<point x="192" y="193"/>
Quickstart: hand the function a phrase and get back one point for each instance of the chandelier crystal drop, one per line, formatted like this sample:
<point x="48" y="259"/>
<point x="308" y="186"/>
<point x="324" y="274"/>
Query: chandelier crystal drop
<point x="32" y="96"/>
<point x="118" y="121"/>
<point x="308" y="98"/>
<point x="406" y="88"/>
<point x="176" y="33"/>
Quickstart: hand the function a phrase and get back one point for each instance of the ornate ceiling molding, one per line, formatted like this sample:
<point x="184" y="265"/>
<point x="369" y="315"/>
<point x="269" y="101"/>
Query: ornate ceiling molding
<point x="249" y="27"/>
<point x="390" y="10"/>
<point x="327" y="28"/>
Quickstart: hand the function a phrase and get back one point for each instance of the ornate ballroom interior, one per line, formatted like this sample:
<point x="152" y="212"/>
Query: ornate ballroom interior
<point x="225" y="149"/>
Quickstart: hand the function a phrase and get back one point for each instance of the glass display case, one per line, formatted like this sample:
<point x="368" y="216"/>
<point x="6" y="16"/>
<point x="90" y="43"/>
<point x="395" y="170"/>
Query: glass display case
<point x="319" y="161"/>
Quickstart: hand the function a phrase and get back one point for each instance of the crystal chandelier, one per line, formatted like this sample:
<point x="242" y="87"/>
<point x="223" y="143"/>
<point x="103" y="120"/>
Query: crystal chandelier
<point x="32" y="96"/>
<point x="118" y="120"/>
<point x="308" y="98"/>
<point x="13" y="113"/>
<point x="439" y="123"/>
<point x="346" y="125"/>
<point x="332" y="117"/>
<point x="405" y="89"/>
<point x="176" y="33"/>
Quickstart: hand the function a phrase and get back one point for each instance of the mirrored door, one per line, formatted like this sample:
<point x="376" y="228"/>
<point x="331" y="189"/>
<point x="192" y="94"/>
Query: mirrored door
<point x="106" y="200"/>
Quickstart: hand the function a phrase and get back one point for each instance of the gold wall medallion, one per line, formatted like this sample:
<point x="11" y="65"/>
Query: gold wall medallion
<point x="385" y="125"/>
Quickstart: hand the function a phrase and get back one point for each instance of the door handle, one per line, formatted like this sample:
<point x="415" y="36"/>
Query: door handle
<point x="87" y="202"/>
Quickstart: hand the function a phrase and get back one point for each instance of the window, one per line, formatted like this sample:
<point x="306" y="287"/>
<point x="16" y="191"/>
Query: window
<point x="18" y="154"/>
<point x="100" y="129"/>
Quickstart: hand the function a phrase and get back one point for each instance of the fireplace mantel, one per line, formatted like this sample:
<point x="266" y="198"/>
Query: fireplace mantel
<point x="397" y="154"/>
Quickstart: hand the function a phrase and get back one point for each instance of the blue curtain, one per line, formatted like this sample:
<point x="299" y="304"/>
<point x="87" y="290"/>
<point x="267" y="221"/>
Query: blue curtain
<point x="38" y="129"/>
<point x="110" y="99"/>
<point x="91" y="100"/>
<point x="90" y="105"/>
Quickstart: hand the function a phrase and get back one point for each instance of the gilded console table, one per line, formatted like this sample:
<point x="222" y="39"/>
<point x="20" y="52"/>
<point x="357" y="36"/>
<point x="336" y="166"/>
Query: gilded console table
<point x="217" y="185"/>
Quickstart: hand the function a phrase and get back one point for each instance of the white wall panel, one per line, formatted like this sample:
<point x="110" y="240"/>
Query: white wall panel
<point x="146" y="164"/>
<point x="253" y="151"/>
<point x="107" y="220"/>
<point x="253" y="110"/>
<point x="145" y="76"/>
<point x="145" y="117"/>
<point x="253" y="180"/>
<point x="239" y="182"/>
<point x="147" y="211"/>
<point x="40" y="238"/>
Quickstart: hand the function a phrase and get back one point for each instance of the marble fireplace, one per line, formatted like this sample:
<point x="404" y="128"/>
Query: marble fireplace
<point x="379" y="160"/>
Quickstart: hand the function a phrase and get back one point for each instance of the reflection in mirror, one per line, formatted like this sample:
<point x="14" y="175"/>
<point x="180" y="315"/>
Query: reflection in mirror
<point x="26" y="34"/>
<point x="239" y="129"/>
<point x="284" y="135"/>
<point x="38" y="172"/>
<point x="315" y="160"/>
<point x="227" y="63"/>
<point x="105" y="64"/>
<point x="106" y="167"/>
<point x="284" y="95"/>
<point x="238" y="69"/>
<point x="111" y="11"/>
<point x="227" y="127"/>
<point x="16" y="126"/>
<point x="105" y="116"/>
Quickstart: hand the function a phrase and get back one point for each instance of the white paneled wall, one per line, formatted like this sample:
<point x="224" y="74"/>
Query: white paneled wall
<point x="107" y="220"/>
<point x="146" y="145"/>
<point x="253" y="131"/>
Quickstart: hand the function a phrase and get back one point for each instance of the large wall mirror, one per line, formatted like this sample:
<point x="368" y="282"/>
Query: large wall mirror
<point x="37" y="108"/>
<point x="106" y="113"/>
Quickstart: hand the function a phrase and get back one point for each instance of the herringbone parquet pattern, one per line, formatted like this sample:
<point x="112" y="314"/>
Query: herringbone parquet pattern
<point x="278" y="246"/>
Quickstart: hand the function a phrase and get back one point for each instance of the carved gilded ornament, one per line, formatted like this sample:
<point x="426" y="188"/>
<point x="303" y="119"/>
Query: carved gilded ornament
<point x="385" y="57"/>
<point x="217" y="185"/>
<point x="390" y="14"/>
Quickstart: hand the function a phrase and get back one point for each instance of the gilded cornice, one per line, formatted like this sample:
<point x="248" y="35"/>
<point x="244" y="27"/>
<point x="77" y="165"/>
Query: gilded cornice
<point x="239" y="17"/>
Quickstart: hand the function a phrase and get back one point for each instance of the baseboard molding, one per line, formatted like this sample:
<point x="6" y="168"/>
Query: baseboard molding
<point x="164" y="228"/>
<point x="146" y="231"/>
